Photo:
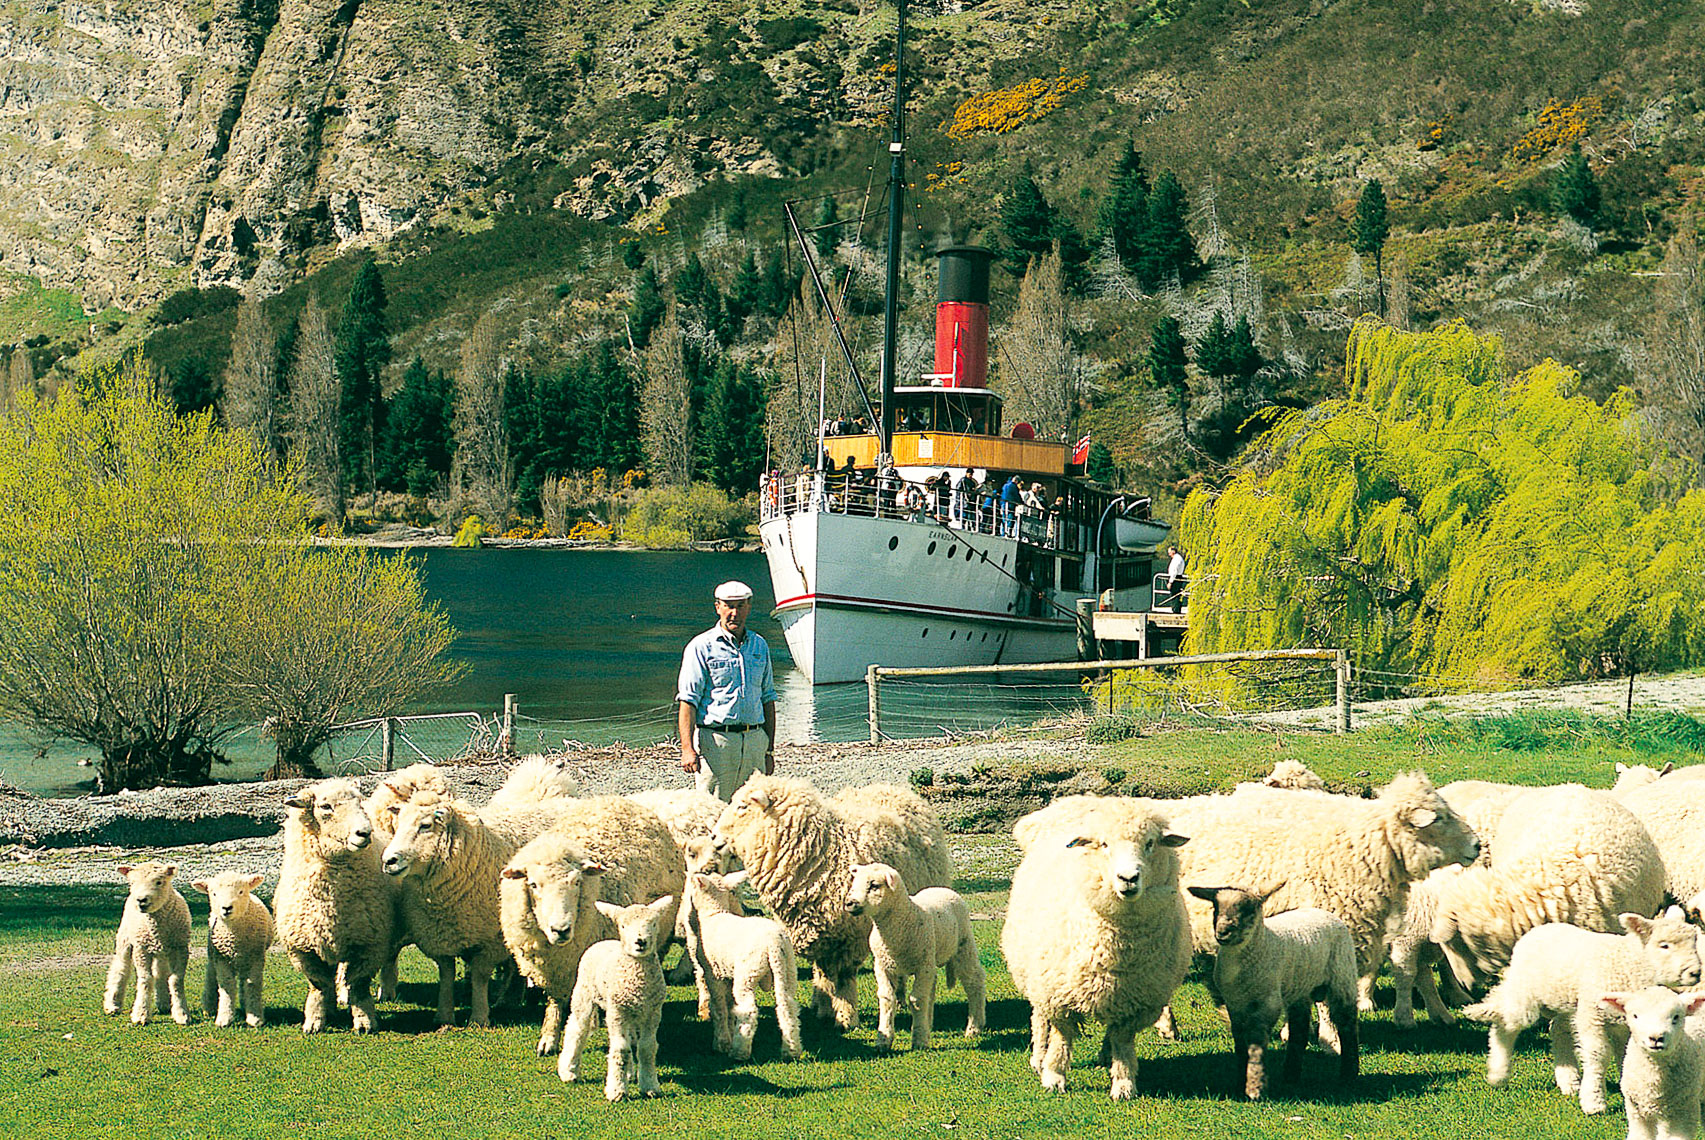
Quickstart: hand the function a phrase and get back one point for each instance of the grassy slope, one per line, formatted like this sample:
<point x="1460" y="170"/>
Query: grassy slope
<point x="68" y="1071"/>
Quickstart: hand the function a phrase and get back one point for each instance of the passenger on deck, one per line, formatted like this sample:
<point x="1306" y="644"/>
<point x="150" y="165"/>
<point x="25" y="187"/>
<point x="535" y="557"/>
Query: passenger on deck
<point x="1011" y="499"/>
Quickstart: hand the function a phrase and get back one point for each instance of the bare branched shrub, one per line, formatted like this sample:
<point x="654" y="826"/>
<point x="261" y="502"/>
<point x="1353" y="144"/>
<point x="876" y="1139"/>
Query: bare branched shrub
<point x="315" y="396"/>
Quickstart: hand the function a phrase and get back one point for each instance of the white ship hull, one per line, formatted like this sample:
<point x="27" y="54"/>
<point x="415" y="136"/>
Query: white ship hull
<point x="854" y="591"/>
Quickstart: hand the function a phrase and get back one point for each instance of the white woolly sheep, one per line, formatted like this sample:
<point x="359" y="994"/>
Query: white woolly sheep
<point x="239" y="932"/>
<point x="1558" y="971"/>
<point x="1293" y="774"/>
<point x="1673" y="814"/>
<point x="1481" y="804"/>
<point x="911" y="937"/>
<point x="1096" y="928"/>
<point x="152" y="945"/>
<point x="333" y="908"/>
<point x="534" y="781"/>
<point x="1663" y="1072"/>
<point x="1631" y="776"/>
<point x="623" y="978"/>
<point x="604" y="848"/>
<point x="736" y="956"/>
<point x="799" y="850"/>
<point x="690" y="815"/>
<point x="1352" y="857"/>
<point x="1563" y="854"/>
<point x="1276" y="968"/>
<point x="1415" y="956"/>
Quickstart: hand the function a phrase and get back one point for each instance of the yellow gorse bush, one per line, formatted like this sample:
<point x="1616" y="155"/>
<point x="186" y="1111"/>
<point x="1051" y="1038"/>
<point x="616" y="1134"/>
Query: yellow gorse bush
<point x="997" y="112"/>
<point x="1560" y="124"/>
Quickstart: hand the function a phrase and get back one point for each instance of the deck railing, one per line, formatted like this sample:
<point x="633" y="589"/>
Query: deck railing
<point x="897" y="498"/>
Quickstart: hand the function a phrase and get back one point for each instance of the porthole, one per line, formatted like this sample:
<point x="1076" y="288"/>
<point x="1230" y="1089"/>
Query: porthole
<point x="953" y="635"/>
<point x="931" y="549"/>
<point x="925" y="633"/>
<point x="985" y="556"/>
<point x="952" y="550"/>
<point x="985" y="637"/>
<point x="969" y="552"/>
<point x="894" y="543"/>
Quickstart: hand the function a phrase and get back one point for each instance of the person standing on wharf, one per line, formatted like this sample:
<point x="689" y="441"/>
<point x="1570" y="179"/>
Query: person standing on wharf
<point x="727" y="692"/>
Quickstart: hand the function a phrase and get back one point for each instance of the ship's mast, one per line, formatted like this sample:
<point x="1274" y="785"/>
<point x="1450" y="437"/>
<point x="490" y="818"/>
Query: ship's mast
<point x="896" y="217"/>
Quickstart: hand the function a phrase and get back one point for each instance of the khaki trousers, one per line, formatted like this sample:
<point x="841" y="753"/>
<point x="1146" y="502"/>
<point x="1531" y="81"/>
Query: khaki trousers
<point x="727" y="759"/>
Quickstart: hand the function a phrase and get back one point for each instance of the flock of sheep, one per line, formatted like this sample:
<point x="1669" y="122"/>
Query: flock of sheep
<point x="1550" y="901"/>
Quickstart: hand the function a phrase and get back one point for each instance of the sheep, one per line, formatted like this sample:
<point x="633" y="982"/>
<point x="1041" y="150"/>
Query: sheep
<point x="690" y="815"/>
<point x="1414" y="956"/>
<point x="1632" y="776"/>
<point x="1481" y="804"/>
<point x="152" y="945"/>
<point x="910" y="938"/>
<point x="1558" y="971"/>
<point x="1673" y="814"/>
<point x="1278" y="967"/>
<point x="1663" y="1073"/>
<point x="1352" y="857"/>
<point x="333" y="907"/>
<point x="1096" y="928"/>
<point x="1563" y="854"/>
<point x="604" y="848"/>
<point x="1293" y="774"/>
<point x="533" y="782"/>
<point x="799" y="850"/>
<point x="738" y="955"/>
<point x="623" y="978"/>
<point x="239" y="932"/>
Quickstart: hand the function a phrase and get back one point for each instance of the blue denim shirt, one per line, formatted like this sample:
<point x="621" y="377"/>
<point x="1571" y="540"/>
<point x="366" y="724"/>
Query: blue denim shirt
<point x="727" y="683"/>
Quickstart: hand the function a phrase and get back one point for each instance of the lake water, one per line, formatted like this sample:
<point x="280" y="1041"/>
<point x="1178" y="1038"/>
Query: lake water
<point x="590" y="642"/>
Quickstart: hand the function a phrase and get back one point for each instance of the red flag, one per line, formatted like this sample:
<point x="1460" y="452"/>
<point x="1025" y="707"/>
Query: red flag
<point x="1080" y="453"/>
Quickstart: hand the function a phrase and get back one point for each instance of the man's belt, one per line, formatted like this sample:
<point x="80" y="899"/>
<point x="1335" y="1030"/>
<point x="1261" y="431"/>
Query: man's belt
<point x="730" y="727"/>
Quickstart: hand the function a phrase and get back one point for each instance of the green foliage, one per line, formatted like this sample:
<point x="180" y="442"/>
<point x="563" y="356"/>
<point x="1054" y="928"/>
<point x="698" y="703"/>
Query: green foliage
<point x="1574" y="190"/>
<point x="583" y="416"/>
<point x="363" y="348"/>
<point x="647" y="308"/>
<point x="1168" y="367"/>
<point x="415" y="445"/>
<point x="1370" y="227"/>
<point x="922" y="778"/>
<point x="1125" y="210"/>
<point x="731" y="428"/>
<point x="1170" y="250"/>
<point x="471" y="534"/>
<point x="188" y="304"/>
<point x="1111" y="729"/>
<point x="669" y="517"/>
<point x="1028" y="222"/>
<point x="1450" y="520"/>
<point x="1101" y="467"/>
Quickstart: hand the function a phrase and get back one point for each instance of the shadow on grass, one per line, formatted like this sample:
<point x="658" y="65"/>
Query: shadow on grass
<point x="39" y="911"/>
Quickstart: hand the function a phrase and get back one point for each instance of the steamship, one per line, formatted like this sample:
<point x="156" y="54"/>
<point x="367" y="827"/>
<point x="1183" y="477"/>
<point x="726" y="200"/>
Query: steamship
<point x="911" y="569"/>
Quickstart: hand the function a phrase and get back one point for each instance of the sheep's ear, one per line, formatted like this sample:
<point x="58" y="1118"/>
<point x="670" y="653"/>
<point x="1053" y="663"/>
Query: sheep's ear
<point x="1422" y="817"/>
<point x="1635" y="924"/>
<point x="301" y="801"/>
<point x="1618" y="1002"/>
<point x="514" y="872"/>
<point x="734" y="878"/>
<point x="1693" y="1001"/>
<point x="1171" y="840"/>
<point x="255" y="881"/>
<point x="593" y="867"/>
<point x="124" y="868"/>
<point x="1621" y="768"/>
<point x="201" y="885"/>
<point x="663" y="904"/>
<point x="608" y="910"/>
<point x="1675" y="912"/>
<point x="171" y="869"/>
<point x="1270" y="890"/>
<point x="759" y="798"/>
<point x="1206" y="894"/>
<point x="1667" y="768"/>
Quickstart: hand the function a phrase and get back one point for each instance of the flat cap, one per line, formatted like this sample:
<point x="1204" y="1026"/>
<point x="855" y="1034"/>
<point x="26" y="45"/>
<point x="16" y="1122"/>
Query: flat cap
<point x="734" y="592"/>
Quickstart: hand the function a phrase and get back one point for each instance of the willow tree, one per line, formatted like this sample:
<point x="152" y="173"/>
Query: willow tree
<point x="1449" y="520"/>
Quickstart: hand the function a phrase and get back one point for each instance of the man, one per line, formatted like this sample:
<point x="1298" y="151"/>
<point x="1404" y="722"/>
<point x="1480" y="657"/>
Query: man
<point x="727" y="695"/>
<point x="1175" y="580"/>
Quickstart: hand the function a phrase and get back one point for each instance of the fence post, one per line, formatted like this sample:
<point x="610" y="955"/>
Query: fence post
<point x="1341" y="666"/>
<point x="870" y="681"/>
<point x="506" y="745"/>
<point x="387" y="743"/>
<point x="1087" y="650"/>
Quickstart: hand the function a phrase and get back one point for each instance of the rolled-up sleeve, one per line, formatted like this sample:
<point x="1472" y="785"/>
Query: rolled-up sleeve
<point x="694" y="682"/>
<point x="769" y="686"/>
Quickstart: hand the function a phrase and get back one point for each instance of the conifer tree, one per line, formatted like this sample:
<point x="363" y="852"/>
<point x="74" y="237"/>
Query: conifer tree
<point x="825" y="235"/>
<point x="647" y="307"/>
<point x="1171" y="249"/>
<point x="733" y="429"/>
<point x="1368" y="231"/>
<point x="1575" y="192"/>
<point x="1028" y="221"/>
<point x="1169" y="368"/>
<point x="610" y="406"/>
<point x="747" y="291"/>
<point x="363" y="350"/>
<point x="1100" y="466"/>
<point x="1125" y="210"/>
<point x="417" y="447"/>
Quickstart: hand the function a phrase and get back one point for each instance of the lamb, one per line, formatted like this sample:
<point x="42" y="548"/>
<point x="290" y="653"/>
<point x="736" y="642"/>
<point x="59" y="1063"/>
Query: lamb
<point x="1663" y="1073"/>
<point x="239" y="932"/>
<point x="1096" y="928"/>
<point x="1274" y="968"/>
<point x="1352" y="857"/>
<point x="1558" y="971"/>
<point x="152" y="945"/>
<point x="1673" y="814"/>
<point x="687" y="812"/>
<point x="623" y="978"/>
<point x="738" y="956"/>
<point x="1632" y="776"/>
<point x="799" y="850"/>
<point x="1415" y="956"/>
<point x="911" y="936"/>
<point x="333" y="907"/>
<point x="604" y="848"/>
<point x="1293" y="774"/>
<point x="1563" y="854"/>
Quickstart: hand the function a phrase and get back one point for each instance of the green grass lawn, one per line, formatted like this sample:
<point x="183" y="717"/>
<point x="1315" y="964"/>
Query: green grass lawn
<point x="67" y="1070"/>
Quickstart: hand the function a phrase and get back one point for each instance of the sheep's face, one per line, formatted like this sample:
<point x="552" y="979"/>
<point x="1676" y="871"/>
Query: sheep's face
<point x="387" y="800"/>
<point x="1237" y="913"/>
<point x="426" y="832"/>
<point x="227" y="893"/>
<point x="637" y="927"/>
<point x="554" y="892"/>
<point x="1657" y="1017"/>
<point x="333" y="810"/>
<point x="873" y="884"/>
<point x="744" y="823"/>
<point x="1120" y="865"/>
<point x="1671" y="946"/>
<point x="1425" y="832"/>
<point x="710" y="887"/>
<point x="702" y="855"/>
<point x="150" y="884"/>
